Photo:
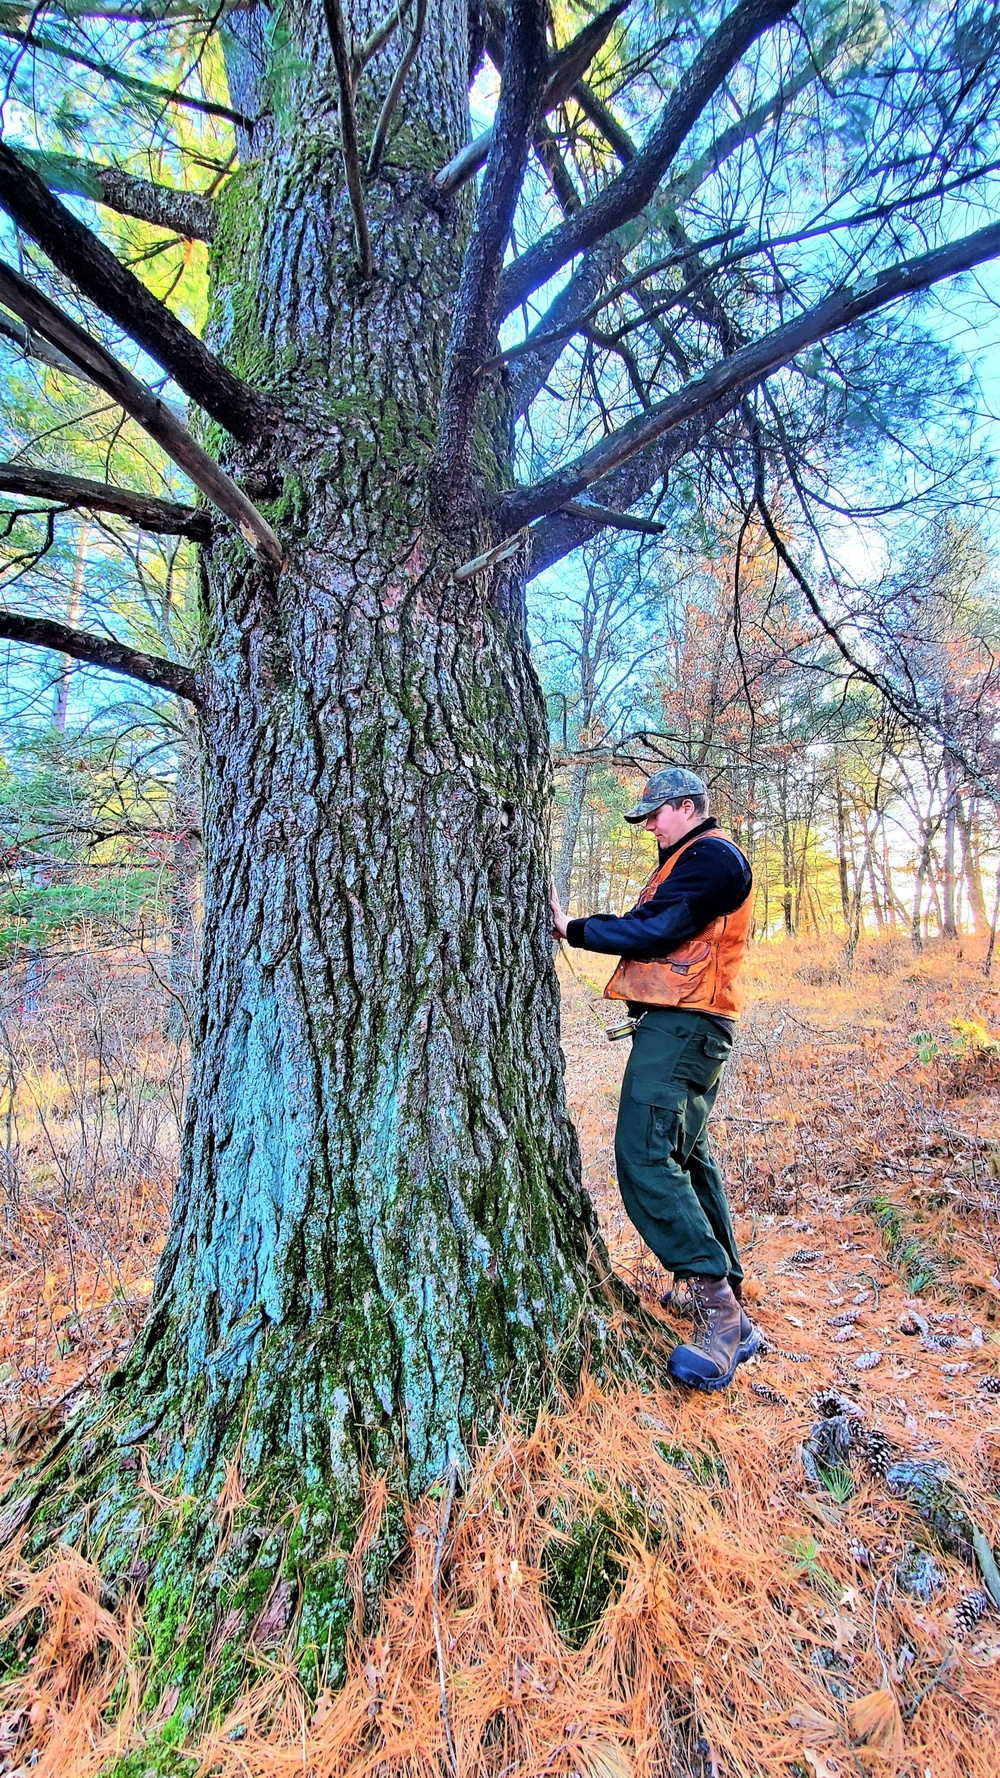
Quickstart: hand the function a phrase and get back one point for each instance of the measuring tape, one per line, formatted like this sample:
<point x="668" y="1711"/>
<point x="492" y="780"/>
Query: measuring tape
<point x="613" y="1033"/>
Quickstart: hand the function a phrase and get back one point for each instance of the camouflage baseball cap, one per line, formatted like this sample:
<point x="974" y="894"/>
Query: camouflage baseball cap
<point x="662" y="787"/>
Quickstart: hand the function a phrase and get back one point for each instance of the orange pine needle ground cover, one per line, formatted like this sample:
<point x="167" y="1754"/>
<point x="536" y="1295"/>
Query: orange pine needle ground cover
<point x="748" y="1622"/>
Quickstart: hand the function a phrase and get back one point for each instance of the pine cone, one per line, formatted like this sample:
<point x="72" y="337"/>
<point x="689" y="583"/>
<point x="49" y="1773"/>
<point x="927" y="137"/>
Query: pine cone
<point x="990" y="1384"/>
<point x="766" y="1393"/>
<point x="859" y="1553"/>
<point x="968" y="1612"/>
<point x="875" y="1449"/>
<point x="829" y="1404"/>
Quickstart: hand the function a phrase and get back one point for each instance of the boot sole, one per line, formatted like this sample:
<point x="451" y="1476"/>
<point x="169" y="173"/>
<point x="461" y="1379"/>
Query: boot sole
<point x="708" y="1385"/>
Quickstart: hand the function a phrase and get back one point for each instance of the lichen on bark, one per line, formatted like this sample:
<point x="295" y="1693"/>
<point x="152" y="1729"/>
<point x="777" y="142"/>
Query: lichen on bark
<point x="379" y="1239"/>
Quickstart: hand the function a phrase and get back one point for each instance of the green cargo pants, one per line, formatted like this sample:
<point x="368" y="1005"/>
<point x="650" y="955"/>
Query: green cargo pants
<point x="670" y="1184"/>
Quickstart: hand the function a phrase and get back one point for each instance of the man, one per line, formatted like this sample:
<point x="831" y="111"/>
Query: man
<point x="681" y="950"/>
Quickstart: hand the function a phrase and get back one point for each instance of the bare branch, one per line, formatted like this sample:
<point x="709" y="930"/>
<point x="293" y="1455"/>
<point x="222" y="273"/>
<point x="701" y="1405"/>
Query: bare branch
<point x="752" y="364"/>
<point x="165" y="517"/>
<point x="635" y="185"/>
<point x="539" y="352"/>
<point x="94" y="269"/>
<point x="395" y="89"/>
<point x="43" y="317"/>
<point x="547" y="149"/>
<point x="561" y="532"/>
<point x="102" y="651"/>
<point x="33" y="346"/>
<point x="548" y="333"/>
<point x="618" y="521"/>
<point x="157" y="95"/>
<point x="473" y="327"/>
<point x="349" y="133"/>
<point x="361" y="54"/>
<point x="565" y="68"/>
<point x="182" y="212"/>
<point x="576" y="302"/>
<point x="604" y="120"/>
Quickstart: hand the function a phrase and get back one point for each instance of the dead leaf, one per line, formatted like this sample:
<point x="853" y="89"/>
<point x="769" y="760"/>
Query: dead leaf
<point x="816" y="1728"/>
<point x="273" y="1616"/>
<point x="604" y="1759"/>
<point x="165" y="1709"/>
<point x="845" y="1631"/>
<point x="822" y="1763"/>
<point x="876" y="1722"/>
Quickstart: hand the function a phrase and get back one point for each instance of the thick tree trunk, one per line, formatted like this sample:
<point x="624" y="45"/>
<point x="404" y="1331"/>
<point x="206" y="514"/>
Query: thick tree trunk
<point x="379" y="1237"/>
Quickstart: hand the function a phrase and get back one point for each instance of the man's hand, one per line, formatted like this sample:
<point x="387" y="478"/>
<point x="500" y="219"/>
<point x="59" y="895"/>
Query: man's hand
<point x="559" y="920"/>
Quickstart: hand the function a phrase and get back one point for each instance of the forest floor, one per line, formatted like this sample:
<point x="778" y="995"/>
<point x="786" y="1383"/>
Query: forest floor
<point x="773" y="1580"/>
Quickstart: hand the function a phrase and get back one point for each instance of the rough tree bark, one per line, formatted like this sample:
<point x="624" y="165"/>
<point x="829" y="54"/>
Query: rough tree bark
<point x="379" y="1237"/>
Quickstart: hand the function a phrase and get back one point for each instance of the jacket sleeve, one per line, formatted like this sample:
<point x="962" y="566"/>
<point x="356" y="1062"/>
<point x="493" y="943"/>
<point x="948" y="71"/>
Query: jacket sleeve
<point x="711" y="879"/>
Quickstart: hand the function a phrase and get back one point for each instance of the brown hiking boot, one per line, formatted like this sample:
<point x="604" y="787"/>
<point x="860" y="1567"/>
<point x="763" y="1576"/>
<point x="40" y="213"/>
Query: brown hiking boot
<point x="709" y="1360"/>
<point x="751" y="1339"/>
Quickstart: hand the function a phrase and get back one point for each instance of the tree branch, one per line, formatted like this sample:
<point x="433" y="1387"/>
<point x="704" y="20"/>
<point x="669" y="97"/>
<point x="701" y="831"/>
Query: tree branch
<point x="550" y="157"/>
<point x="182" y="212"/>
<point x="617" y="521"/>
<point x="910" y="712"/>
<point x="473" y="326"/>
<point x="166" y="517"/>
<point x="752" y="364"/>
<point x="395" y="89"/>
<point x="634" y="186"/>
<point x="605" y="121"/>
<point x="570" y="313"/>
<point x="349" y="133"/>
<point x="563" y="531"/>
<point x="362" y="53"/>
<point x="565" y="68"/>
<point x="577" y="300"/>
<point x="43" y="317"/>
<point x="102" y="651"/>
<point x="33" y="346"/>
<point x="158" y="95"/>
<point x="539" y="352"/>
<point x="94" y="269"/>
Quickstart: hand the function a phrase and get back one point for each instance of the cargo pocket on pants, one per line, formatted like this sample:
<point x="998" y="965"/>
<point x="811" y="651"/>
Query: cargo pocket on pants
<point x="703" y="1060"/>
<point x="663" y="1105"/>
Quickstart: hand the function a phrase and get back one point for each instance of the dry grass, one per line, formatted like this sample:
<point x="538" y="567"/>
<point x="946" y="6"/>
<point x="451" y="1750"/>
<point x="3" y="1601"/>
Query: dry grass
<point x="91" y="1097"/>
<point x="731" y="1619"/>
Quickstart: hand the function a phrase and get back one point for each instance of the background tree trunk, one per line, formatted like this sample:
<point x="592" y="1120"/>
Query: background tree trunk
<point x="842" y="844"/>
<point x="949" y="920"/>
<point x="571" y="827"/>
<point x="185" y="893"/>
<point x="968" y="827"/>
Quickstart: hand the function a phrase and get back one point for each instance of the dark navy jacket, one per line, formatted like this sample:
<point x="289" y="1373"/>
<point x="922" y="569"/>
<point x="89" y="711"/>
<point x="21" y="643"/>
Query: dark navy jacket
<point x="711" y="879"/>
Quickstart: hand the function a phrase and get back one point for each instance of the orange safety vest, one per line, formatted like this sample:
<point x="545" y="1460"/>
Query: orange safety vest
<point x="702" y="975"/>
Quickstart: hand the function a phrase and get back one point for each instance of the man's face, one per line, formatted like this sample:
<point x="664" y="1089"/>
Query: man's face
<point x="668" y="825"/>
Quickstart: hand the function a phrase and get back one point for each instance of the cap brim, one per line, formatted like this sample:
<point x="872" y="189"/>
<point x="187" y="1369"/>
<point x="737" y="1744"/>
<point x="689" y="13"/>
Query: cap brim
<point x="643" y="814"/>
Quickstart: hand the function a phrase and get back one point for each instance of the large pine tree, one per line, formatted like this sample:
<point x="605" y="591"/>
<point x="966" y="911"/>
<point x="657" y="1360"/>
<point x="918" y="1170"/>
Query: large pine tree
<point x="379" y="1232"/>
